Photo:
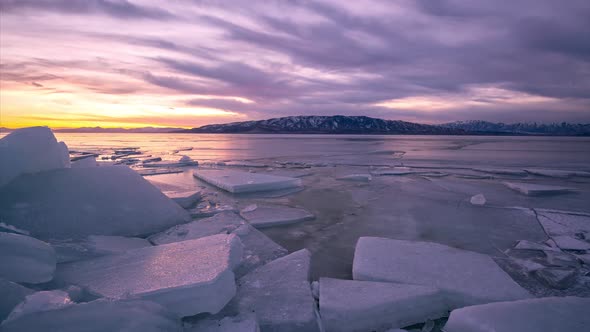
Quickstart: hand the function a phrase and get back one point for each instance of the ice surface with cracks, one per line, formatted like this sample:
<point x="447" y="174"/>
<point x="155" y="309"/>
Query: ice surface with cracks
<point x="531" y="189"/>
<point x="188" y="277"/>
<point x="243" y="182"/>
<point x="465" y="277"/>
<point x="358" y="306"/>
<point x="110" y="200"/>
<point x="26" y="259"/>
<point x="31" y="150"/>
<point x="533" y="315"/>
<point x="99" y="316"/>
<point x="268" y="216"/>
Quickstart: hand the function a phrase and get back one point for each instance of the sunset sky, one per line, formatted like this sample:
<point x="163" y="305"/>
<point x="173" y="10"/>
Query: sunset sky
<point x="186" y="63"/>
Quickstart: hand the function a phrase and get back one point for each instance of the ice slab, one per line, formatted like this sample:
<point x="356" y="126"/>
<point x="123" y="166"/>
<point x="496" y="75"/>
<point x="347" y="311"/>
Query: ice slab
<point x="26" y="259"/>
<point x="227" y="324"/>
<point x="395" y="171"/>
<point x="531" y="189"/>
<point x="478" y="199"/>
<point x="558" y="278"/>
<point x="557" y="224"/>
<point x="268" y="216"/>
<point x="356" y="177"/>
<point x="244" y="164"/>
<point x="94" y="246"/>
<point x="359" y="306"/>
<point x="30" y="150"/>
<point x="279" y="294"/>
<point x="40" y="301"/>
<point x="89" y="161"/>
<point x="569" y="243"/>
<point x="12" y="295"/>
<point x="466" y="277"/>
<point x="188" y="277"/>
<point x="110" y="200"/>
<point x="529" y="245"/>
<point x="258" y="248"/>
<point x="548" y="314"/>
<point x="186" y="199"/>
<point x="99" y="316"/>
<point x="243" y="182"/>
<point x="556" y="173"/>
<point x="502" y="171"/>
<point x="182" y="162"/>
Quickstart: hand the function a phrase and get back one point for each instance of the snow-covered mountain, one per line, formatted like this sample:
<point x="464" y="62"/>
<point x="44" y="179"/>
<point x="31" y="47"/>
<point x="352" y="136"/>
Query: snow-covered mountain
<point x="484" y="127"/>
<point x="337" y="124"/>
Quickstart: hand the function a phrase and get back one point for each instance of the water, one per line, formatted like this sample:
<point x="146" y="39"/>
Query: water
<point x="427" y="207"/>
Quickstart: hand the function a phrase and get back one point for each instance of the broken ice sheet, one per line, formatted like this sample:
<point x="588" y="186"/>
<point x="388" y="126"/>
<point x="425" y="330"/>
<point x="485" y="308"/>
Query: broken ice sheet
<point x="531" y="189"/>
<point x="243" y="182"/>
<point x="268" y="216"/>
<point x="188" y="277"/>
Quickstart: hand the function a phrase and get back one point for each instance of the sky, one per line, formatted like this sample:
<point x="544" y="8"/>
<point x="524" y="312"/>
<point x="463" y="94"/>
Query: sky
<point x="187" y="63"/>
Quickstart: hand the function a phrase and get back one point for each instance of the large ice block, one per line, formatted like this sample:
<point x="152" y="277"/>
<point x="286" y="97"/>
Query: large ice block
<point x="531" y="189"/>
<point x="25" y="259"/>
<point x="359" y="306"/>
<point x="188" y="277"/>
<point x="11" y="295"/>
<point x="77" y="202"/>
<point x="466" y="277"/>
<point x="258" y="248"/>
<point x="243" y="182"/>
<point x="550" y="314"/>
<point x="99" y="316"/>
<point x="268" y="216"/>
<point x="279" y="294"/>
<point x="30" y="150"/>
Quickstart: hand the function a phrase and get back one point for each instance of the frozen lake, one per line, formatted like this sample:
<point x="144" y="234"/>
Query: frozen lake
<point x="428" y="201"/>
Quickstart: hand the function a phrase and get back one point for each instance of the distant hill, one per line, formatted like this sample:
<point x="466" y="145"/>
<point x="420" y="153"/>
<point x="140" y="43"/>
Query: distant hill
<point x="337" y="124"/>
<point x="556" y="129"/>
<point x="116" y="130"/>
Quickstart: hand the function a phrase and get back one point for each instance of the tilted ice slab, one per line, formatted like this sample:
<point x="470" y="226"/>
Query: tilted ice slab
<point x="243" y="182"/>
<point x="31" y="150"/>
<point x="359" y="306"/>
<point x="188" y="277"/>
<point x="99" y="316"/>
<point x="466" y="277"/>
<point x="535" y="315"/>
<point x="25" y="259"/>
<point x="268" y="216"/>
<point x="279" y="294"/>
<point x="531" y="189"/>
<point x="94" y="246"/>
<point x="557" y="224"/>
<point x="186" y="199"/>
<point x="258" y="248"/>
<point x="556" y="173"/>
<point x="77" y="202"/>
<point x="570" y="243"/>
<point x="12" y="295"/>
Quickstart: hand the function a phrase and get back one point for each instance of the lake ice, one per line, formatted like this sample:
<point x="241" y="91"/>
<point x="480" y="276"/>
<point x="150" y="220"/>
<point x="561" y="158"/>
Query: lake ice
<point x="450" y="191"/>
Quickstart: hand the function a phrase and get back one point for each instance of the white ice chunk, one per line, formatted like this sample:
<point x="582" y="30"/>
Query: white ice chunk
<point x="466" y="277"/>
<point x="268" y="216"/>
<point x="279" y="294"/>
<point x="557" y="224"/>
<point x="548" y="314"/>
<point x="186" y="199"/>
<point x="41" y="301"/>
<point x="89" y="161"/>
<point x="359" y="306"/>
<point x="357" y="177"/>
<point x="569" y="243"/>
<point x="99" y="316"/>
<point x="242" y="182"/>
<point x="11" y="295"/>
<point x="188" y="277"/>
<point x="30" y="150"/>
<point x="26" y="259"/>
<point x="556" y="173"/>
<point x="227" y="324"/>
<point x="110" y="200"/>
<point x="531" y="189"/>
<point x="478" y="199"/>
